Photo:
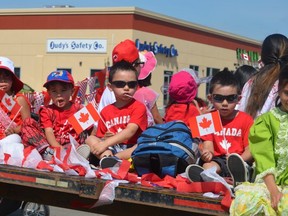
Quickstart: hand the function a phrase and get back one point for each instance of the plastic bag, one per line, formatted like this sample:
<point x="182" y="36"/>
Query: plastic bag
<point x="11" y="150"/>
<point x="210" y="175"/>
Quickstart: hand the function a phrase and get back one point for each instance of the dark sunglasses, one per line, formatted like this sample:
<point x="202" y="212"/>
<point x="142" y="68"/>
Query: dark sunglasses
<point x="229" y="98"/>
<point x="122" y="84"/>
<point x="137" y="63"/>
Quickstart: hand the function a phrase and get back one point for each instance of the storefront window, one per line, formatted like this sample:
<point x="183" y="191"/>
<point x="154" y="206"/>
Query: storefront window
<point x="164" y="88"/>
<point x="93" y="73"/>
<point x="67" y="69"/>
<point x="210" y="72"/>
<point x="17" y="71"/>
<point x="194" y="67"/>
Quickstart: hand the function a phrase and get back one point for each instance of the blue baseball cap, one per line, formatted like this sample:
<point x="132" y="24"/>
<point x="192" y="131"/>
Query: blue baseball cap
<point x="60" y="76"/>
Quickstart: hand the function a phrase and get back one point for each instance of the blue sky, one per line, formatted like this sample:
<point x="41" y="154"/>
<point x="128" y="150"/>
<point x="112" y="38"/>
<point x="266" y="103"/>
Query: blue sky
<point x="254" y="19"/>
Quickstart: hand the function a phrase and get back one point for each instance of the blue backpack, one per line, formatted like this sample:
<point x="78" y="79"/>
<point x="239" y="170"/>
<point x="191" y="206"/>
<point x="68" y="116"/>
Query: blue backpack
<point x="165" y="149"/>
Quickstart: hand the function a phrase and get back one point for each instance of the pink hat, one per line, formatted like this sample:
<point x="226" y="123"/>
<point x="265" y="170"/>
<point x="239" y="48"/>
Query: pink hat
<point x="8" y="65"/>
<point x="125" y="50"/>
<point x="183" y="88"/>
<point x="149" y="66"/>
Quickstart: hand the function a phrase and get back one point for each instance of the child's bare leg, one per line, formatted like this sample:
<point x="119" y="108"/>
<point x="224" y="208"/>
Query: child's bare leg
<point x="126" y="154"/>
<point x="91" y="140"/>
<point x="212" y="164"/>
<point x="106" y="153"/>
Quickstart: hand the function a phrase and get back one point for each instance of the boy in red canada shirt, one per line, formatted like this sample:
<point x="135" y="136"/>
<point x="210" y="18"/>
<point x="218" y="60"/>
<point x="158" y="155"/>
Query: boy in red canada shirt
<point x="124" y="120"/>
<point x="228" y="148"/>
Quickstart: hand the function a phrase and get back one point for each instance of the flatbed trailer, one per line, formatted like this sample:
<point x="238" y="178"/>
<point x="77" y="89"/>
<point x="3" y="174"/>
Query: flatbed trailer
<point x="80" y="193"/>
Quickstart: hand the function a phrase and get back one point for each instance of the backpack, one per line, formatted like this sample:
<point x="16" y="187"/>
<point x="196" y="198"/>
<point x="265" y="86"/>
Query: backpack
<point x="165" y="149"/>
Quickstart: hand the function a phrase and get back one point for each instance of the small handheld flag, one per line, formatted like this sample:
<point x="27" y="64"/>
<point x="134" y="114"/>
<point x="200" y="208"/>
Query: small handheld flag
<point x="84" y="118"/>
<point x="10" y="104"/>
<point x="205" y="124"/>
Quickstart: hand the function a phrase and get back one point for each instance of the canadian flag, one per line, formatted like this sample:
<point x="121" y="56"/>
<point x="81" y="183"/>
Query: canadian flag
<point x="11" y="105"/>
<point x="84" y="118"/>
<point x="245" y="56"/>
<point x="205" y="124"/>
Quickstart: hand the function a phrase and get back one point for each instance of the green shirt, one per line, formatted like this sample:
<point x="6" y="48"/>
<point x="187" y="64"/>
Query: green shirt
<point x="268" y="143"/>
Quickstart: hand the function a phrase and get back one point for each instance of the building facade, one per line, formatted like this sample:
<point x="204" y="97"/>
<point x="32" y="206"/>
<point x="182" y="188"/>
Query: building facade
<point x="81" y="40"/>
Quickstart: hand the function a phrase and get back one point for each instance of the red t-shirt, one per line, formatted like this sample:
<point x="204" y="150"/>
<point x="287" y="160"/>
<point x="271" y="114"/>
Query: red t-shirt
<point x="117" y="119"/>
<point x="181" y="112"/>
<point x="234" y="135"/>
<point x="56" y="118"/>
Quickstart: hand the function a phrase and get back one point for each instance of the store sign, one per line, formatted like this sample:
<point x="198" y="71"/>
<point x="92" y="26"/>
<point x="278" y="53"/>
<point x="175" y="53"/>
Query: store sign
<point x="156" y="48"/>
<point x="76" y="46"/>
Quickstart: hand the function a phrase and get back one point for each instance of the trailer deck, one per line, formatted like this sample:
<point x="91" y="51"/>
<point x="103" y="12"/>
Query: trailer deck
<point x="75" y="192"/>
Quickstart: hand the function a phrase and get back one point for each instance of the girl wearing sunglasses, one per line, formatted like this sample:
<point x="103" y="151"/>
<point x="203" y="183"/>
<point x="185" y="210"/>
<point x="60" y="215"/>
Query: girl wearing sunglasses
<point x="144" y="93"/>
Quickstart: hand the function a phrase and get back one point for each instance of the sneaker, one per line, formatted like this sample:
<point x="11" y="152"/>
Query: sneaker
<point x="237" y="168"/>
<point x="48" y="154"/>
<point x="83" y="150"/>
<point x="110" y="161"/>
<point x="193" y="172"/>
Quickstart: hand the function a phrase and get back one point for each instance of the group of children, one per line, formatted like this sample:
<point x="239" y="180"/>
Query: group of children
<point x="232" y="151"/>
<point x="123" y="118"/>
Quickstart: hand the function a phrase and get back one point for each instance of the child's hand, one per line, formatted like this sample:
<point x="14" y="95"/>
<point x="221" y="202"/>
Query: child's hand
<point x="9" y="131"/>
<point x="206" y="110"/>
<point x="106" y="153"/>
<point x="206" y="156"/>
<point x="275" y="199"/>
<point x="98" y="149"/>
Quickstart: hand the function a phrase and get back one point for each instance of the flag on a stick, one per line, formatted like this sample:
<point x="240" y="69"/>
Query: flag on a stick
<point x="91" y="83"/>
<point x="205" y="124"/>
<point x="91" y="96"/>
<point x="84" y="118"/>
<point x="5" y="120"/>
<point x="10" y="104"/>
<point x="82" y="89"/>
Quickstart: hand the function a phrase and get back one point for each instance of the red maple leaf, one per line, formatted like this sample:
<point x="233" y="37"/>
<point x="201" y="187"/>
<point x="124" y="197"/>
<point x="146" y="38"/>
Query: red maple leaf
<point x="205" y="123"/>
<point x="84" y="117"/>
<point x="8" y="101"/>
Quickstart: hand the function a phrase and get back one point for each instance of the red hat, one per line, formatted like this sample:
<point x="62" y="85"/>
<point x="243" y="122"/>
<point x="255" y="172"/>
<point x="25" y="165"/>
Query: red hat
<point x="183" y="88"/>
<point x="149" y="66"/>
<point x="8" y="65"/>
<point x="125" y="50"/>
